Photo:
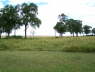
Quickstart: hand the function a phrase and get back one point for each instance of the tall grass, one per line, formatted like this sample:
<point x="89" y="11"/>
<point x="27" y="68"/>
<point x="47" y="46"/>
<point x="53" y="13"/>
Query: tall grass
<point x="69" y="44"/>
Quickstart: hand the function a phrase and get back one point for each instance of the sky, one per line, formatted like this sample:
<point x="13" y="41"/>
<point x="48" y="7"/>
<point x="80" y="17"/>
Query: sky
<point x="48" y="11"/>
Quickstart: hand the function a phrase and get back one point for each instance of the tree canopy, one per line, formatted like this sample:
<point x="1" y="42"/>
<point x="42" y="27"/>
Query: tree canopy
<point x="87" y="29"/>
<point x="12" y="17"/>
<point x="29" y="15"/>
<point x="60" y="27"/>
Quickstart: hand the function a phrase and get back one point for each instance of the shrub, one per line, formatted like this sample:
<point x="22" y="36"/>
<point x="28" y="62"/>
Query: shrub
<point x="14" y="37"/>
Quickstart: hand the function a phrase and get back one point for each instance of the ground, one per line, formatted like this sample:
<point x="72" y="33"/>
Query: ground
<point x="48" y="55"/>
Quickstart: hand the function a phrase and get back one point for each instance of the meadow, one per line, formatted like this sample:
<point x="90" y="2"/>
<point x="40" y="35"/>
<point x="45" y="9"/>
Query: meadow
<point x="47" y="54"/>
<point x="67" y="44"/>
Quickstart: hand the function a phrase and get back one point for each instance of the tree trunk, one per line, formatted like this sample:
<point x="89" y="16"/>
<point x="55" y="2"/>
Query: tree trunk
<point x="8" y="34"/>
<point x="73" y="34"/>
<point x="61" y="34"/>
<point x="55" y="34"/>
<point x="14" y="32"/>
<point x="92" y="34"/>
<point x="0" y="35"/>
<point x="25" y="30"/>
<point x="77" y="34"/>
<point x="83" y="34"/>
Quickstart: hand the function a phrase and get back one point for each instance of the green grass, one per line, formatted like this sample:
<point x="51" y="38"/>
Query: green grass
<point x="44" y="61"/>
<point x="70" y="44"/>
<point x="47" y="54"/>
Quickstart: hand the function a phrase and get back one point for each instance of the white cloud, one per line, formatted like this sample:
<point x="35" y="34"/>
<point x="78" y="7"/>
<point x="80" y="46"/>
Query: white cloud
<point x="1" y="5"/>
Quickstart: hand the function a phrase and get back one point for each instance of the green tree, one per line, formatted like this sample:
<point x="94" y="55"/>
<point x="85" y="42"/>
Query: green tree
<point x="86" y="29"/>
<point x="1" y="24"/>
<point x="70" y="25"/>
<point x="62" y="18"/>
<point x="77" y="27"/>
<point x="93" y="31"/>
<point x="10" y="17"/>
<point x="60" y="28"/>
<point x="17" y="18"/>
<point x="29" y="15"/>
<point x="74" y="26"/>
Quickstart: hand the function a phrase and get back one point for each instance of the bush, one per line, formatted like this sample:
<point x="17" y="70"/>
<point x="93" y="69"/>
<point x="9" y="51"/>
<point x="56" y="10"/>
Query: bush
<point x="14" y="37"/>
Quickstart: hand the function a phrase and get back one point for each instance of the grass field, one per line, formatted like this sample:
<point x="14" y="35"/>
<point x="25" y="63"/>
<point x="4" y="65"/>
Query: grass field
<point x="74" y="44"/>
<point x="44" y="61"/>
<point x="48" y="54"/>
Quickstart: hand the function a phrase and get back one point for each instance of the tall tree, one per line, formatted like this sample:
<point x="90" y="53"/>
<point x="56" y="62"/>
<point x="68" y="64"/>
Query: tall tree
<point x="29" y="15"/>
<point x="74" y="26"/>
<point x="17" y="18"/>
<point x="1" y="24"/>
<point x="10" y="17"/>
<point x="62" y="17"/>
<point x="60" y="28"/>
<point x="70" y="26"/>
<point x="86" y="29"/>
<point x="78" y="27"/>
<point x="93" y="31"/>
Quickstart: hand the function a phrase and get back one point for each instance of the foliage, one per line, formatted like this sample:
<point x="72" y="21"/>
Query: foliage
<point x="65" y="24"/>
<point x="77" y="27"/>
<point x="13" y="37"/>
<point x="87" y="29"/>
<point x="1" y="24"/>
<point x="93" y="31"/>
<point x="74" y="26"/>
<point x="60" y="28"/>
<point x="70" y="26"/>
<point x="9" y="18"/>
<point x="12" y="17"/>
<point x="62" y="18"/>
<point x="29" y="15"/>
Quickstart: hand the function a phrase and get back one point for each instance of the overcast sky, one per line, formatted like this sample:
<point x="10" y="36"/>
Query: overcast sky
<point x="50" y="9"/>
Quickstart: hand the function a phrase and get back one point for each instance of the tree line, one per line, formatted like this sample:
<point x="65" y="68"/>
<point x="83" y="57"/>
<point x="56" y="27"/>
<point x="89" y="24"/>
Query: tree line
<point x="13" y="17"/>
<point x="73" y="26"/>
